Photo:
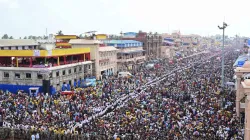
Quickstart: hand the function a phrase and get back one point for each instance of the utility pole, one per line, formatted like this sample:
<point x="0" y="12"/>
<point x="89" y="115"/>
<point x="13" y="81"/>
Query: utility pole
<point x="223" y="55"/>
<point x="236" y="43"/>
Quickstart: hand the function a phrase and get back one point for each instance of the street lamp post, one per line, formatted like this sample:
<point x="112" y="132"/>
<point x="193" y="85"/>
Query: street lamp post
<point x="223" y="55"/>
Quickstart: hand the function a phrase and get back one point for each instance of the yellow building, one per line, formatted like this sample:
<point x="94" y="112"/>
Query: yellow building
<point x="24" y="62"/>
<point x="101" y="36"/>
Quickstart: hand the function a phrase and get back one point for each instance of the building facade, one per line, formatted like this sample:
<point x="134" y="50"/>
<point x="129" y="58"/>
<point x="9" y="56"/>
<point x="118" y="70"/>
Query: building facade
<point x="62" y="41"/>
<point x="108" y="60"/>
<point x="167" y="52"/>
<point x="151" y="43"/>
<point x="94" y="46"/>
<point x="21" y="67"/>
<point x="130" y="54"/>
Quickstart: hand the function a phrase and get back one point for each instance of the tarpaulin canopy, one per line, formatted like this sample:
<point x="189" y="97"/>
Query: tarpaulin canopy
<point x="240" y="60"/>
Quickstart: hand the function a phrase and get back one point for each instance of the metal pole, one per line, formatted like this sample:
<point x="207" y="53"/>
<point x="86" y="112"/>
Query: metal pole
<point x="223" y="59"/>
<point x="223" y="55"/>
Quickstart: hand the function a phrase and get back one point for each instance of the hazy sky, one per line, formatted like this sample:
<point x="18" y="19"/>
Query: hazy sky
<point x="32" y="17"/>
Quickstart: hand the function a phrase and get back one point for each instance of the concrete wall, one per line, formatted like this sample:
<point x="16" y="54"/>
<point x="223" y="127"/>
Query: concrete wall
<point x="94" y="55"/>
<point x="77" y="71"/>
<point x="110" y="63"/>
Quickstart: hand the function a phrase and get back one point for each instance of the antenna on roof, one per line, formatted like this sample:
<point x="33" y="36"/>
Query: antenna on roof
<point x="91" y="34"/>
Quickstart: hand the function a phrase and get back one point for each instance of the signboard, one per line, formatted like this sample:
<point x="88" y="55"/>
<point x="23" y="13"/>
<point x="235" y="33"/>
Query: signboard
<point x="49" y="52"/>
<point x="240" y="63"/>
<point x="36" y="53"/>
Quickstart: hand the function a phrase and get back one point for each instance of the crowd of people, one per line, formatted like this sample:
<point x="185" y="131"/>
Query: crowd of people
<point x="181" y="99"/>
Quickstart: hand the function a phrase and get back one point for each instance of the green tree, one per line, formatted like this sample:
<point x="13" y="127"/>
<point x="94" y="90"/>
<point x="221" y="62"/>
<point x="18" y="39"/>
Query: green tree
<point x="34" y="37"/>
<point x="81" y="36"/>
<point x="5" y="36"/>
<point x="30" y="37"/>
<point x="25" y="37"/>
<point x="11" y="37"/>
<point x="45" y="37"/>
<point x="59" y="32"/>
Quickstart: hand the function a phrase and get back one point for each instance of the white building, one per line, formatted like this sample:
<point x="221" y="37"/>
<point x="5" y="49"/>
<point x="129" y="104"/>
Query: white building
<point x="130" y="54"/>
<point x="108" y="60"/>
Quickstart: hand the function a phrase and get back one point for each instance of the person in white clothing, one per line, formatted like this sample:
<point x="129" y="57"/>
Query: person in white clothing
<point x="37" y="136"/>
<point x="33" y="137"/>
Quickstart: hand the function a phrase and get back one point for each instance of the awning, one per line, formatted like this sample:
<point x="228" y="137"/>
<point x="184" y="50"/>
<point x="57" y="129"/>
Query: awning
<point x="240" y="61"/>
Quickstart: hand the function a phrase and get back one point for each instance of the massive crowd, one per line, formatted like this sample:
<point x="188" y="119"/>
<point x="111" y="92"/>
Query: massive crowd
<point x="177" y="100"/>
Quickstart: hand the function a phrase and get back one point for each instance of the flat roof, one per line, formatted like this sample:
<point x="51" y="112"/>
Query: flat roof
<point x="84" y="42"/>
<point x="17" y="42"/>
<point x="107" y="48"/>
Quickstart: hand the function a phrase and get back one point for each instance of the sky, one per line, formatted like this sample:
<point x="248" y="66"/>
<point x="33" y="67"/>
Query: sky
<point x="21" y="18"/>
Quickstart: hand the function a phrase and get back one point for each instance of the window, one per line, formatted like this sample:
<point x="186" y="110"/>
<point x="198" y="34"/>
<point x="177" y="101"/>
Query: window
<point x="69" y="71"/>
<point x="23" y="47"/>
<point x="80" y="68"/>
<point x="16" y="47"/>
<point x="17" y="75"/>
<point x="2" y="48"/>
<point x="57" y="73"/>
<point x="34" y="47"/>
<point x="63" y="73"/>
<point x="89" y="66"/>
<point x="39" y="76"/>
<point x="28" y="75"/>
<point x="9" y="48"/>
<point x="30" y="47"/>
<point x="74" y="70"/>
<point x="6" y="75"/>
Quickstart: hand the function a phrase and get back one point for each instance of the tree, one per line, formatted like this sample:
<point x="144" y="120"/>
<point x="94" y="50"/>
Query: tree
<point x="11" y="37"/>
<point x="80" y="36"/>
<point x="45" y="37"/>
<point x="59" y="32"/>
<point x="20" y="38"/>
<point x="5" y="36"/>
<point x="25" y="37"/>
<point x="34" y="37"/>
<point x="30" y="37"/>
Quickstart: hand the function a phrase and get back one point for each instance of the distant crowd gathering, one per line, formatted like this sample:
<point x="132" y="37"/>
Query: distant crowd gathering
<point x="179" y="100"/>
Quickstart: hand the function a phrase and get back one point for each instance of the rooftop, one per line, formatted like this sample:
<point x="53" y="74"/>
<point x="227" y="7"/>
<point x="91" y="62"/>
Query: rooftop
<point x="84" y="41"/>
<point x="107" y="48"/>
<point x="17" y="42"/>
<point x="121" y="41"/>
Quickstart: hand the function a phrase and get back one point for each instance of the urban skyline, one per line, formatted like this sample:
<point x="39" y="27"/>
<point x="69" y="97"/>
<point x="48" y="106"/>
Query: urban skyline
<point x="22" y="19"/>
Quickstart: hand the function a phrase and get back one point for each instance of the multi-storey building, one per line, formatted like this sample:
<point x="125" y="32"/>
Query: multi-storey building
<point x="24" y="64"/>
<point x="62" y="41"/>
<point x="130" y="54"/>
<point x="104" y="58"/>
<point x="108" y="60"/>
<point x="151" y="43"/>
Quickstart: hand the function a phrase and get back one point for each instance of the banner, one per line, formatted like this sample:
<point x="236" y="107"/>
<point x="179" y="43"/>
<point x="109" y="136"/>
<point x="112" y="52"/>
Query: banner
<point x="36" y="53"/>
